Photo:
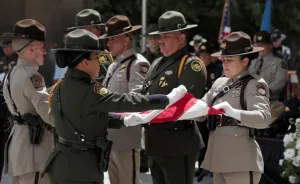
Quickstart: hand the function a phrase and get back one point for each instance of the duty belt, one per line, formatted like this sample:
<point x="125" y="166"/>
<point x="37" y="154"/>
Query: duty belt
<point x="221" y="120"/>
<point x="76" y="144"/>
<point x="20" y="121"/>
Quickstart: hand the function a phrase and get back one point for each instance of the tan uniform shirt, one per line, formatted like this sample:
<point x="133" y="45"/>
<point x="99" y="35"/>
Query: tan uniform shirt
<point x="230" y="149"/>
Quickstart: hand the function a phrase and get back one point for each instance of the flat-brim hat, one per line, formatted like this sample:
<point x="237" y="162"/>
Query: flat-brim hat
<point x="28" y="29"/>
<point x="81" y="40"/>
<point x="277" y="35"/>
<point x="172" y="21"/>
<point x="237" y="43"/>
<point x="119" y="25"/>
<point x="87" y="17"/>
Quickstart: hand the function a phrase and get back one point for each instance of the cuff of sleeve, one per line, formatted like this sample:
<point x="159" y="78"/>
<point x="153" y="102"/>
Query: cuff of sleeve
<point x="158" y="99"/>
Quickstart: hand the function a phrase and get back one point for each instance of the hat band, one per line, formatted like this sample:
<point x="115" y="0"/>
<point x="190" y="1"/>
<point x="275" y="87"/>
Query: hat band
<point x="238" y="51"/>
<point x="90" y="23"/>
<point x="28" y="37"/>
<point x="175" y="27"/>
<point x="124" y="30"/>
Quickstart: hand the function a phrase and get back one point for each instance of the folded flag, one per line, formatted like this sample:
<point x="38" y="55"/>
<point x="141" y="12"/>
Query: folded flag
<point x="186" y="107"/>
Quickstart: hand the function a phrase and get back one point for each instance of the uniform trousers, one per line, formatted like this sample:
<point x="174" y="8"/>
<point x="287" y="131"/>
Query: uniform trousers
<point x="173" y="169"/>
<point x="237" y="178"/>
<point x="31" y="178"/>
<point x="124" y="167"/>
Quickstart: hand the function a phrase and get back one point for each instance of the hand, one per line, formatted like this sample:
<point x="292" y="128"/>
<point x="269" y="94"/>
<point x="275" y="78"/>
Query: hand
<point x="176" y="94"/>
<point x="229" y="111"/>
<point x="133" y="120"/>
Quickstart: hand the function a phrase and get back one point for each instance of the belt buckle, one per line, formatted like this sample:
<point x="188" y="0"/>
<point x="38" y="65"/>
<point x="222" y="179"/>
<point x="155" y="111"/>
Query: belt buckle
<point x="220" y="122"/>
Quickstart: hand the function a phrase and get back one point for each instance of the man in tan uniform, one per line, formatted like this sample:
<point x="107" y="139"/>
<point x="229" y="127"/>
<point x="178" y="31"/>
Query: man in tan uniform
<point x="25" y="92"/>
<point x="125" y="75"/>
<point x="272" y="69"/>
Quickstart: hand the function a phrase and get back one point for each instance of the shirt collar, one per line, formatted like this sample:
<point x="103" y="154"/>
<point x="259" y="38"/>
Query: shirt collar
<point x="79" y="75"/>
<point x="178" y="54"/>
<point x="25" y="62"/>
<point x="242" y="74"/>
<point x="124" y="55"/>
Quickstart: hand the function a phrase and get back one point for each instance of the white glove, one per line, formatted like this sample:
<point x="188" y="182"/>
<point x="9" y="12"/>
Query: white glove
<point x="176" y="94"/>
<point x="133" y="120"/>
<point x="229" y="111"/>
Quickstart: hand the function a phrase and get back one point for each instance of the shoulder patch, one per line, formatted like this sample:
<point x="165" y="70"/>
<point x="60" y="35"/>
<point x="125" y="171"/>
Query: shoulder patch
<point x="283" y="65"/>
<point x="98" y="88"/>
<point x="144" y="68"/>
<point x="37" y="81"/>
<point x="196" y="66"/>
<point x="261" y="90"/>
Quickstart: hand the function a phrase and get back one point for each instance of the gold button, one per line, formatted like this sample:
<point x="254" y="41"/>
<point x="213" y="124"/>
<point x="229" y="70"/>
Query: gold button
<point x="236" y="135"/>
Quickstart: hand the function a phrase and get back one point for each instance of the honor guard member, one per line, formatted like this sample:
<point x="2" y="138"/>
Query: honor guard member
<point x="173" y="147"/>
<point x="80" y="108"/>
<point x="232" y="153"/>
<point x="90" y="20"/>
<point x="153" y="51"/>
<point x="280" y="50"/>
<point x="9" y="60"/>
<point x="214" y="71"/>
<point x="25" y="94"/>
<point x="272" y="69"/>
<point x="125" y="75"/>
<point x="196" y="42"/>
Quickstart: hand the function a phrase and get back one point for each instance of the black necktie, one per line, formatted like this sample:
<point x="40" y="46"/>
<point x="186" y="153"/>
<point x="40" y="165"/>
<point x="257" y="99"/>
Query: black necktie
<point x="260" y="66"/>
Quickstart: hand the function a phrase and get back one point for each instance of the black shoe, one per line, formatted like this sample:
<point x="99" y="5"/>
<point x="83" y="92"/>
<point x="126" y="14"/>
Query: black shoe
<point x="202" y="174"/>
<point x="198" y="172"/>
<point x="144" y="169"/>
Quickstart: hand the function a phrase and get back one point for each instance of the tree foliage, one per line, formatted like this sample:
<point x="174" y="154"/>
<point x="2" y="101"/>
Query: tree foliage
<point x="246" y="15"/>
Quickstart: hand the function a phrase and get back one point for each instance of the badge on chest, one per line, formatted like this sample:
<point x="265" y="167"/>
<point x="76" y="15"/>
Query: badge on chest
<point x="236" y="92"/>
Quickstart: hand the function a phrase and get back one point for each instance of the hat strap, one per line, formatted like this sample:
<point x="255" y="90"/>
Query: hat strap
<point x="238" y="51"/>
<point x="18" y="51"/>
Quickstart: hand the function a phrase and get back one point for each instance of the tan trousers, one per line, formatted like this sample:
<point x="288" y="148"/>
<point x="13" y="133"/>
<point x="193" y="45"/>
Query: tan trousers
<point x="237" y="178"/>
<point x="124" y="167"/>
<point x="31" y="178"/>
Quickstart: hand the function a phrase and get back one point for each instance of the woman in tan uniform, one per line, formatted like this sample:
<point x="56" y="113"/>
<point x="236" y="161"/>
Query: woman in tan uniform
<point x="232" y="154"/>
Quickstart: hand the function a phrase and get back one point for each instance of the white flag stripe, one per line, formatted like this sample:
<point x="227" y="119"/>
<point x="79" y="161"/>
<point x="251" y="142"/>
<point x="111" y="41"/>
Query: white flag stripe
<point x="200" y="108"/>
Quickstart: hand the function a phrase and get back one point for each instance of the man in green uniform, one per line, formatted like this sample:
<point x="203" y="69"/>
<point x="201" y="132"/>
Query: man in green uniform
<point x="173" y="147"/>
<point x="90" y="20"/>
<point x="80" y="107"/>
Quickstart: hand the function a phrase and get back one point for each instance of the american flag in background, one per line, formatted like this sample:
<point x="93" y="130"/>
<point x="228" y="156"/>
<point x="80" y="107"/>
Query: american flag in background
<point x="225" y="27"/>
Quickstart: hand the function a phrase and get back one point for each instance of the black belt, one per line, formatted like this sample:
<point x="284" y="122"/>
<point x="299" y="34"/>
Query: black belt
<point x="173" y="126"/>
<point x="77" y="144"/>
<point x="222" y="120"/>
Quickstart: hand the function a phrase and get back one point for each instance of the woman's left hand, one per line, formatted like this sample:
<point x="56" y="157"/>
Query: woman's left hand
<point x="229" y="111"/>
